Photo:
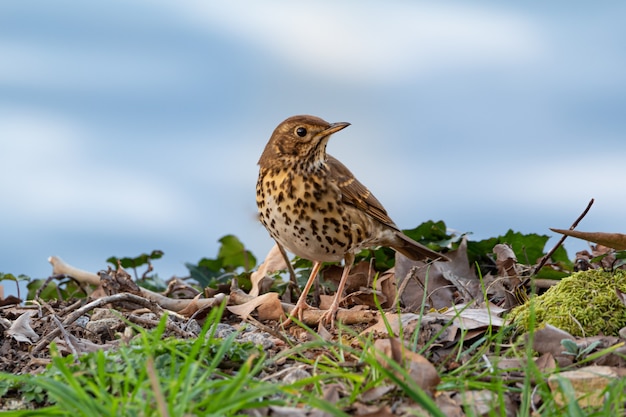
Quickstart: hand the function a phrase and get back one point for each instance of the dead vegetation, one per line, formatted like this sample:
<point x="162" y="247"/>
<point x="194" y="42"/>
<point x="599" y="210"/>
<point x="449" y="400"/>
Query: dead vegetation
<point x="441" y="326"/>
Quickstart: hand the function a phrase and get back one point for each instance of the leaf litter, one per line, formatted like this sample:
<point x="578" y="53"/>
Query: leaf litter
<point x="422" y="317"/>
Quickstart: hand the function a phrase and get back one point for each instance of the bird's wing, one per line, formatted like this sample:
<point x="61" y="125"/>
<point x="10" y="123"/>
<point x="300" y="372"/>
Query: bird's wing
<point x="356" y="194"/>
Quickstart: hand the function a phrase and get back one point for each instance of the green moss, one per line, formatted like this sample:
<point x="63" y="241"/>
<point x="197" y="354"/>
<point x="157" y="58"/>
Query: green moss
<point x="583" y="304"/>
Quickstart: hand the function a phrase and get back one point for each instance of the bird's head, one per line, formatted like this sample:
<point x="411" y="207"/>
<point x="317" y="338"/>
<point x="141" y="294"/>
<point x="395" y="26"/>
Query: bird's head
<point x="299" y="142"/>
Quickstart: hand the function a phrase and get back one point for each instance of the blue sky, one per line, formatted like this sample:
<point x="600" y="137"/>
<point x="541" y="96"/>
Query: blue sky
<point x="128" y="126"/>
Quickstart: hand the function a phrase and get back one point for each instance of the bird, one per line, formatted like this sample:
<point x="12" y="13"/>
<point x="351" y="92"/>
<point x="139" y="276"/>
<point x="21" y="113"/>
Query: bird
<point x="312" y="205"/>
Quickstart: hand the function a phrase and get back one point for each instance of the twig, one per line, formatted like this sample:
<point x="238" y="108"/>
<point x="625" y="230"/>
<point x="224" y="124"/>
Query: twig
<point x="169" y="326"/>
<point x="116" y="298"/>
<point x="71" y="307"/>
<point x="268" y="329"/>
<point x="59" y="267"/>
<point x="560" y="242"/>
<point x="412" y="274"/>
<point x="66" y="336"/>
<point x="292" y="272"/>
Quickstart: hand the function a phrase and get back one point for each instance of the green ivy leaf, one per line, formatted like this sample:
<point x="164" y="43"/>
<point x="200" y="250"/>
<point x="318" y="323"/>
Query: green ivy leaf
<point x="137" y="261"/>
<point x="527" y="247"/>
<point x="233" y="254"/>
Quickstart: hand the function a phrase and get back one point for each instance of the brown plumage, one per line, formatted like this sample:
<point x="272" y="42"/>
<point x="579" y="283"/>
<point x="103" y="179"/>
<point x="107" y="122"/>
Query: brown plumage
<point x="314" y="207"/>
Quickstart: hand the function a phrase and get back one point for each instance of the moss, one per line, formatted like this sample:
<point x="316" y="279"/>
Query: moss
<point x="583" y="304"/>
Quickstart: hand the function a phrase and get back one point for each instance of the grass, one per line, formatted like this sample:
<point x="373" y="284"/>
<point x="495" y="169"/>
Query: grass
<point x="207" y="376"/>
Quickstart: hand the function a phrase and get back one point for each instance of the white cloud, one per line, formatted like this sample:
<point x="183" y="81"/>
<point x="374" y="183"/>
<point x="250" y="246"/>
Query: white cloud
<point x="374" y="41"/>
<point x="50" y="65"/>
<point x="49" y="177"/>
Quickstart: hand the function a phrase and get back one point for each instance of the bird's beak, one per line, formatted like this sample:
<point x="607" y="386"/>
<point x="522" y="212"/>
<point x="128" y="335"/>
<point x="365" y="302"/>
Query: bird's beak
<point x="334" y="127"/>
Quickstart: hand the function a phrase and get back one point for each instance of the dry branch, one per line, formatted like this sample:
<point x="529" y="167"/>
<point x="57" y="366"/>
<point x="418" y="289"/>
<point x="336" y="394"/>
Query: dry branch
<point x="59" y="267"/>
<point x="560" y="242"/>
<point x="311" y="316"/>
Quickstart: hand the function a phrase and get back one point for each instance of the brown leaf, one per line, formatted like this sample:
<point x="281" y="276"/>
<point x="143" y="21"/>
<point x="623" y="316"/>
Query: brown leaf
<point x="479" y="403"/>
<point x="449" y="404"/>
<point x="191" y="308"/>
<point x="395" y="321"/>
<point x="381" y="412"/>
<point x="361" y="276"/>
<point x="10" y="300"/>
<point x="419" y="368"/>
<point x="548" y="340"/>
<point x="21" y="331"/>
<point x="244" y="310"/>
<point x="475" y="318"/>
<point x="376" y="393"/>
<point x="545" y="362"/>
<point x="360" y="288"/>
<point x="589" y="384"/>
<point x="387" y="282"/>
<point x="274" y="261"/>
<point x="612" y="240"/>
<point x="505" y="260"/>
<point x="440" y="293"/>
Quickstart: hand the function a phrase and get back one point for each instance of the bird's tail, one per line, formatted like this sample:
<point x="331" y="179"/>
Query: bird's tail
<point x="416" y="251"/>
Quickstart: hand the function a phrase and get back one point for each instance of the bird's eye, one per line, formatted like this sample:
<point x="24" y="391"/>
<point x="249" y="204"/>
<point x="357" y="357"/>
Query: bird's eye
<point x="301" y="131"/>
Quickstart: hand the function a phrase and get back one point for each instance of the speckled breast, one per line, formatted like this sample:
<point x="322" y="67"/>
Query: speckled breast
<point x="305" y="215"/>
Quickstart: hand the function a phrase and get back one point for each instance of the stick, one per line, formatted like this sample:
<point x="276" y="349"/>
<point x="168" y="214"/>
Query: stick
<point x="560" y="242"/>
<point x="116" y="298"/>
<point x="59" y="267"/>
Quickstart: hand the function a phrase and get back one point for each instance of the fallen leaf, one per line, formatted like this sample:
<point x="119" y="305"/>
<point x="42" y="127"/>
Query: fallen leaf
<point x="274" y="261"/>
<point x="545" y="362"/>
<point x="449" y="404"/>
<point x="279" y="411"/>
<point x="589" y="384"/>
<point x="380" y="412"/>
<point x="361" y="276"/>
<point x="479" y="403"/>
<point x="440" y="293"/>
<point x="395" y="321"/>
<point x="21" y="331"/>
<point x="474" y="318"/>
<point x="548" y="340"/>
<point x="418" y="367"/>
<point x="244" y="310"/>
<point x="374" y="394"/>
<point x="191" y="308"/>
<point x="611" y="240"/>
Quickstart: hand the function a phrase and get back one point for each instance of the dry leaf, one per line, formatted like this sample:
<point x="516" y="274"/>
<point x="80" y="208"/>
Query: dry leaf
<point x="191" y="308"/>
<point x="244" y="310"/>
<point x="376" y="393"/>
<point x="440" y="293"/>
<point x="449" y="404"/>
<point x="612" y="240"/>
<point x="419" y="368"/>
<point x="21" y="331"/>
<point x="589" y="384"/>
<point x="548" y="340"/>
<point x="395" y="321"/>
<point x="474" y="318"/>
<point x="479" y="403"/>
<point x="380" y="412"/>
<point x="274" y="261"/>
<point x="545" y="362"/>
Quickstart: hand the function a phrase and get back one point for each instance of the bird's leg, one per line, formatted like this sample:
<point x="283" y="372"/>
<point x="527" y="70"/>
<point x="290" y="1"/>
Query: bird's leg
<point x="301" y="305"/>
<point x="331" y="313"/>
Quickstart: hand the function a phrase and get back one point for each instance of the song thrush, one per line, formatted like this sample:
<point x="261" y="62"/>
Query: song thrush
<point x="314" y="207"/>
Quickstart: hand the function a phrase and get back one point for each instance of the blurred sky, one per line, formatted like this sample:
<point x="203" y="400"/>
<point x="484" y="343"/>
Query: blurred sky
<point x="128" y="126"/>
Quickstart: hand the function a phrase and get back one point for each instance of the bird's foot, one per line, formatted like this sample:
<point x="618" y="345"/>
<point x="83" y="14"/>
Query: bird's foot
<point x="297" y="311"/>
<point x="330" y="315"/>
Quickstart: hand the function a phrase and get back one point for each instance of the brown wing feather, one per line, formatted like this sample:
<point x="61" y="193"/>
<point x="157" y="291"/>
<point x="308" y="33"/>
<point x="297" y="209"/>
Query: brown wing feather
<point x="356" y="194"/>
